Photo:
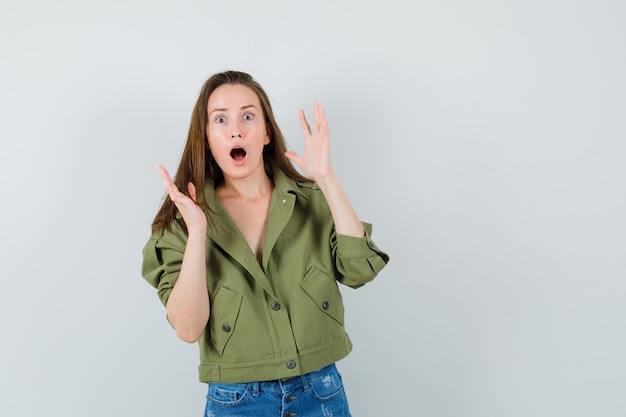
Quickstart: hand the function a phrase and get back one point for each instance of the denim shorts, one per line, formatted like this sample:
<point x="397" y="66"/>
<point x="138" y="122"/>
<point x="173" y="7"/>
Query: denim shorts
<point x="316" y="394"/>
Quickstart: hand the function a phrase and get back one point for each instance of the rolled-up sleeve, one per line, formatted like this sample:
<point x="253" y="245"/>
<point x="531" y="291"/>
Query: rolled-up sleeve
<point x="358" y="259"/>
<point x="162" y="260"/>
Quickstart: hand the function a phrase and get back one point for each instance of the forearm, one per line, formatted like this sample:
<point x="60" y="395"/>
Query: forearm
<point x="345" y="218"/>
<point x="188" y="304"/>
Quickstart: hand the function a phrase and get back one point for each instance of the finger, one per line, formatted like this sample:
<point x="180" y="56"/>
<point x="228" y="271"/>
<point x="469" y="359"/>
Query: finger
<point x="305" y="125"/>
<point x="320" y="118"/>
<point x="170" y="187"/>
<point x="316" y="116"/>
<point x="192" y="191"/>
<point x="323" y="118"/>
<point x="294" y="157"/>
<point x="164" y="174"/>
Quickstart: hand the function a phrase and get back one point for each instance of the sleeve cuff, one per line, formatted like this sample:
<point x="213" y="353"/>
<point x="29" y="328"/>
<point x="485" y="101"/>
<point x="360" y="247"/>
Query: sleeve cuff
<point x="359" y="247"/>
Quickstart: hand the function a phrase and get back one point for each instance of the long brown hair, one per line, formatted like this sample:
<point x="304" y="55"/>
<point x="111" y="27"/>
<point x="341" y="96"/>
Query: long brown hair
<point x="197" y="162"/>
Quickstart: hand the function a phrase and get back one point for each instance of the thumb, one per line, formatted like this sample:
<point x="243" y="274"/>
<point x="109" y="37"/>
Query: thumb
<point x="192" y="191"/>
<point x="294" y="157"/>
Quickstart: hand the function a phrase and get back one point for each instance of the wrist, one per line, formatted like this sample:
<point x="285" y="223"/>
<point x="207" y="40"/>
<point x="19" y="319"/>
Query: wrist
<point x="197" y="232"/>
<point x="327" y="179"/>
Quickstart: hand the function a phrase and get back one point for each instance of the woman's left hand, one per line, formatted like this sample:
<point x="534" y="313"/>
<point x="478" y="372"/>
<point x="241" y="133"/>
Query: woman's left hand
<point x="315" y="162"/>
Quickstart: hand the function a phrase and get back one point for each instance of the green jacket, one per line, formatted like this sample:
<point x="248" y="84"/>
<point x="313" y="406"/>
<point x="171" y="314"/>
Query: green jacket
<point x="285" y="316"/>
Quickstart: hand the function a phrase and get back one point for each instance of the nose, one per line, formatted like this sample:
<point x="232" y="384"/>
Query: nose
<point x="236" y="131"/>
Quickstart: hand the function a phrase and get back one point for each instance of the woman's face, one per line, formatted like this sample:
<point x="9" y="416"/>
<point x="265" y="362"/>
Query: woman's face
<point x="236" y="130"/>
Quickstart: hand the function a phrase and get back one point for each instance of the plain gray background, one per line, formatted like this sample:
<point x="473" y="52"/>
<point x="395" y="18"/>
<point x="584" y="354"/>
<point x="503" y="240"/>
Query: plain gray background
<point x="484" y="139"/>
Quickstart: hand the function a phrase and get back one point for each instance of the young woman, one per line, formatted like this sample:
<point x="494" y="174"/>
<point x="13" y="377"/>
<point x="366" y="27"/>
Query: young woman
<point x="246" y="254"/>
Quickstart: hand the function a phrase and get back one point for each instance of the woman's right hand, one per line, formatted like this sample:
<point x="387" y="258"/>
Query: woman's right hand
<point x="188" y="306"/>
<point x="194" y="217"/>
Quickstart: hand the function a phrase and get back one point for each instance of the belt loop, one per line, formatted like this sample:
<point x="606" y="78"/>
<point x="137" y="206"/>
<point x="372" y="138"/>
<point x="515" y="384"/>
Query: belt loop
<point x="256" y="389"/>
<point x="305" y="382"/>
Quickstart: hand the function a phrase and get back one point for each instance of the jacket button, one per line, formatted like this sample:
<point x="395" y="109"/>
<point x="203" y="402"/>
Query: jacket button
<point x="226" y="328"/>
<point x="291" y="364"/>
<point x="275" y="306"/>
<point x="289" y="398"/>
<point x="325" y="305"/>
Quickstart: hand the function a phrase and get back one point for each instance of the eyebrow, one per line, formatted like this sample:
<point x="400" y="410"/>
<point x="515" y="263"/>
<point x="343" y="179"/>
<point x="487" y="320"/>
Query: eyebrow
<point x="221" y="109"/>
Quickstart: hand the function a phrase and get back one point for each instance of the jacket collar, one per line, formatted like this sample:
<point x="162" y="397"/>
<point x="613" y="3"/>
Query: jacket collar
<point x="282" y="183"/>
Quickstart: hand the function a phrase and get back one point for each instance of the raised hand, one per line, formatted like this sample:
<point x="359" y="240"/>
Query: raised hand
<point x="193" y="215"/>
<point x="315" y="161"/>
<point x="315" y="164"/>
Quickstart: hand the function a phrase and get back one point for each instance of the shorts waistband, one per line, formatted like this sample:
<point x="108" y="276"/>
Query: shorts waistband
<point x="290" y="383"/>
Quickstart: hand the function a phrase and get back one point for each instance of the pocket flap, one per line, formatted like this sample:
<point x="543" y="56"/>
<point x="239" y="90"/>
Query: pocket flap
<point x="323" y="290"/>
<point x="223" y="319"/>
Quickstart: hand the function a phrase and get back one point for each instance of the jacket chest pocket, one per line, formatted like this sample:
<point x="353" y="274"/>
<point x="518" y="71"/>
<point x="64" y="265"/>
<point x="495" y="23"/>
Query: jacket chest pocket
<point x="223" y="319"/>
<point x="323" y="290"/>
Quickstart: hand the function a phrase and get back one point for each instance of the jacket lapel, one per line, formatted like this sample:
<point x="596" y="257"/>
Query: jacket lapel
<point x="223" y="232"/>
<point x="281" y="209"/>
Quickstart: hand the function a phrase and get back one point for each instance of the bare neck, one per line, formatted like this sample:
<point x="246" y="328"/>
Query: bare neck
<point x="250" y="188"/>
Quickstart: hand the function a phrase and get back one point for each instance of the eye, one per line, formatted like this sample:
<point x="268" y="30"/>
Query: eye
<point x="220" y="119"/>
<point x="248" y="116"/>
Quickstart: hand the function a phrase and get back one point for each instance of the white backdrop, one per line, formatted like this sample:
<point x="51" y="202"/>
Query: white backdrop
<point x="486" y="141"/>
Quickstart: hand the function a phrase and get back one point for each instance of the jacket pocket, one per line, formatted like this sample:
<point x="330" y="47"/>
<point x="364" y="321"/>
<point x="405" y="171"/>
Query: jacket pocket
<point x="323" y="290"/>
<point x="223" y="319"/>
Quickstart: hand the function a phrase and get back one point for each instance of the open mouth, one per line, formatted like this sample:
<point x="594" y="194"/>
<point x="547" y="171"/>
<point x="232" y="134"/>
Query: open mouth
<point x="238" y="154"/>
